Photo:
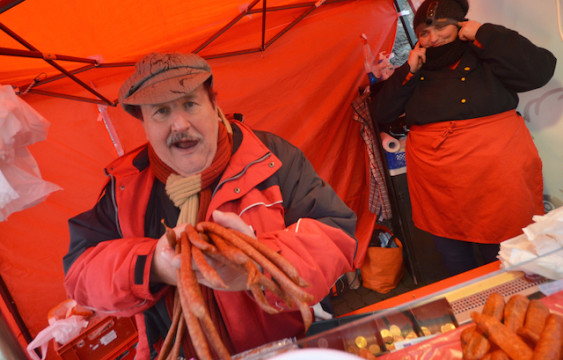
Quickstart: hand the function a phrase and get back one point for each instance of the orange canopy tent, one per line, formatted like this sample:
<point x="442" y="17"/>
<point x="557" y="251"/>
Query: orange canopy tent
<point x="290" y="67"/>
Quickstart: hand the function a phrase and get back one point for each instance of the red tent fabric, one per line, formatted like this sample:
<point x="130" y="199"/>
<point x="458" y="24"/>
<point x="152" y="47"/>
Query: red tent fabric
<point x="301" y="87"/>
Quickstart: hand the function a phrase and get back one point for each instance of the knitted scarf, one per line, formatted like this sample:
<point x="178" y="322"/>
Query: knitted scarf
<point x="192" y="195"/>
<point x="445" y="55"/>
<point x="187" y="192"/>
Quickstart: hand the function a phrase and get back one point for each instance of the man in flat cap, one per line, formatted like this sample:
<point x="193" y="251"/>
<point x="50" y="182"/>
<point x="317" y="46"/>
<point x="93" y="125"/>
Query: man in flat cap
<point x="198" y="166"/>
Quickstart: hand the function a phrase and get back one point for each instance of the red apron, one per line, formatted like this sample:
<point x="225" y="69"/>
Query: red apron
<point x="476" y="180"/>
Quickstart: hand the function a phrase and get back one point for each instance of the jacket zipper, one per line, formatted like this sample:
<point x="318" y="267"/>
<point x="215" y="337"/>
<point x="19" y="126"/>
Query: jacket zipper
<point x="242" y="172"/>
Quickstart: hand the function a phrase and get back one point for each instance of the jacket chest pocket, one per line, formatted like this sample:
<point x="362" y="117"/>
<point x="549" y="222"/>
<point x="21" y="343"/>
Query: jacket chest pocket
<point x="261" y="209"/>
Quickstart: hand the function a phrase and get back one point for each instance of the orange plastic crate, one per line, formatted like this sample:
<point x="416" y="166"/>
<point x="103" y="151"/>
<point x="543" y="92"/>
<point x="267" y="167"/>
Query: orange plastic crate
<point x="105" y="338"/>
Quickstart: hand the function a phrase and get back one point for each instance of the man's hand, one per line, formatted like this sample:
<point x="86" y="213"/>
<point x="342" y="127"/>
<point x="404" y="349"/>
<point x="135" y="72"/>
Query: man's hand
<point x="232" y="221"/>
<point x="234" y="277"/>
<point x="165" y="262"/>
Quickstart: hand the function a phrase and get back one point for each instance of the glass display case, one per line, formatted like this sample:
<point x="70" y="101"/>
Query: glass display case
<point x="431" y="321"/>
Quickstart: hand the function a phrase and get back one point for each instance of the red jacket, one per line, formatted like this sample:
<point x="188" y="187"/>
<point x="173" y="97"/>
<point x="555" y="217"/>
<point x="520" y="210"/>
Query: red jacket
<point x="291" y="209"/>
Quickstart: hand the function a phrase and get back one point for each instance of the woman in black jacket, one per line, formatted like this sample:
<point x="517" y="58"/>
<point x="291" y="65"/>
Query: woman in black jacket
<point x="474" y="173"/>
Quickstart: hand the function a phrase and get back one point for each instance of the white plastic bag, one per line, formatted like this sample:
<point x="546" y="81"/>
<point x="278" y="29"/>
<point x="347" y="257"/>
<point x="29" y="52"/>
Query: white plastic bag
<point x="66" y="321"/>
<point x="539" y="250"/>
<point x="7" y="194"/>
<point x="21" y="185"/>
<point x="62" y="330"/>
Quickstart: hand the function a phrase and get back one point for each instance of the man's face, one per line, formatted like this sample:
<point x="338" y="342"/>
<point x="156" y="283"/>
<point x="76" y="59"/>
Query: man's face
<point x="183" y="132"/>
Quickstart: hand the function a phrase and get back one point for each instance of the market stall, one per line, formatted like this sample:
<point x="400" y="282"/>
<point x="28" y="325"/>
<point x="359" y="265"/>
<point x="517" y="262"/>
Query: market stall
<point x="268" y="99"/>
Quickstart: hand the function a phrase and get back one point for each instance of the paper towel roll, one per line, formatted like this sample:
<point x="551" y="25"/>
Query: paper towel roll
<point x="390" y="144"/>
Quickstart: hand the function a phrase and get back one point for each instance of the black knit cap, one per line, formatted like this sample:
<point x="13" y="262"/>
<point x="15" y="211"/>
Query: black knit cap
<point x="432" y="10"/>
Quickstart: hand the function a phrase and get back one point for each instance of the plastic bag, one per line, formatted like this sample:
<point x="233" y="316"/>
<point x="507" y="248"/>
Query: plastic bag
<point x="377" y="69"/>
<point x="21" y="185"/>
<point x="61" y="330"/>
<point x="66" y="321"/>
<point x="384" y="67"/>
<point x="542" y="238"/>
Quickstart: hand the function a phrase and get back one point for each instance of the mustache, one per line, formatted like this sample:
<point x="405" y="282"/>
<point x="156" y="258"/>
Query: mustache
<point x="179" y="136"/>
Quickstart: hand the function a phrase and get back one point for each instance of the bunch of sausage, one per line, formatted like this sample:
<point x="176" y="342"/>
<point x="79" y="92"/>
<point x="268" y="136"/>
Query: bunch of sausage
<point x="518" y="329"/>
<point x="234" y="249"/>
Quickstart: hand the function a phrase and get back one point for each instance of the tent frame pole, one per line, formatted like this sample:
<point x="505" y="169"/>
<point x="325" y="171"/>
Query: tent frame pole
<point x="40" y="55"/>
<point x="8" y="4"/>
<point x="14" y="312"/>
<point x="225" y="28"/>
<point x="411" y="36"/>
<point x="33" y="52"/>
<point x="264" y="10"/>
<point x="51" y="62"/>
<point x="28" y="88"/>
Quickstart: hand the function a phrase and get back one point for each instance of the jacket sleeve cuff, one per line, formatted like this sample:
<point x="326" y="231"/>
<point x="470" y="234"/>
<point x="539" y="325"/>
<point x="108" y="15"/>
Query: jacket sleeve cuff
<point x="140" y="274"/>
